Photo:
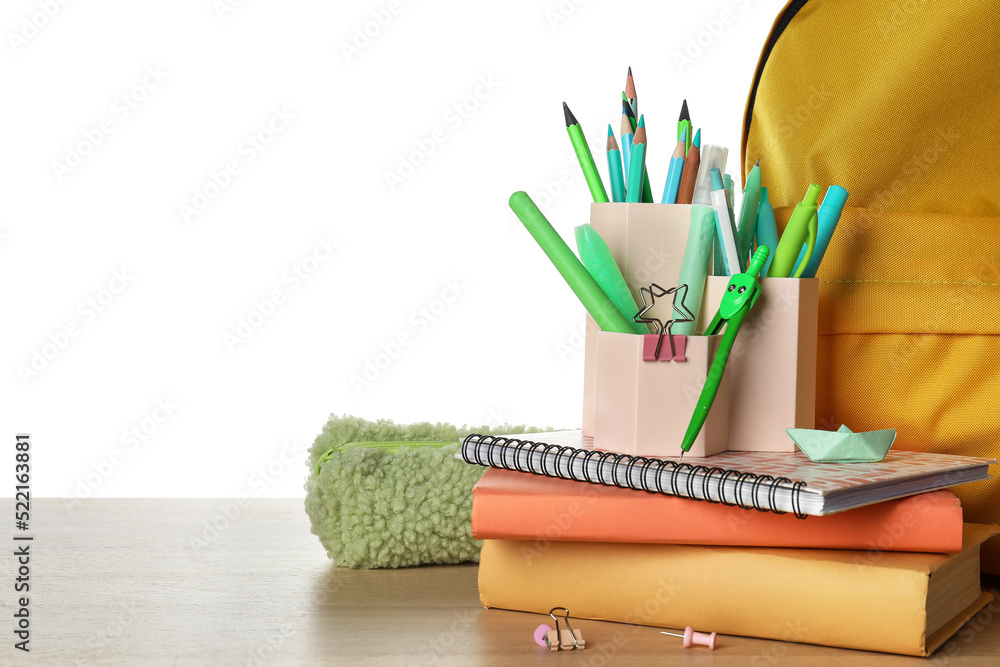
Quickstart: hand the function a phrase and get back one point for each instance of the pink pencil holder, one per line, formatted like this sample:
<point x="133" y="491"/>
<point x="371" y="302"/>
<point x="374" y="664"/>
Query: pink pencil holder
<point x="643" y="405"/>
<point x="772" y="367"/>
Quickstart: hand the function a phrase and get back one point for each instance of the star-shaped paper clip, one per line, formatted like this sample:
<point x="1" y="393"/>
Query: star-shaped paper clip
<point x="654" y="292"/>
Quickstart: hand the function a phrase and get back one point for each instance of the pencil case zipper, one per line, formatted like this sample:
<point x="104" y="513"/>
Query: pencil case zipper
<point x="375" y="444"/>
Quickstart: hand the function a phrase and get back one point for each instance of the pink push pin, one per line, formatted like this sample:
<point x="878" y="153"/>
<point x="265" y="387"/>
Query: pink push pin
<point x="691" y="637"/>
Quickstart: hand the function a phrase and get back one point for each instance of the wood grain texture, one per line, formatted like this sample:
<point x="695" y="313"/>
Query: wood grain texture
<point x="125" y="582"/>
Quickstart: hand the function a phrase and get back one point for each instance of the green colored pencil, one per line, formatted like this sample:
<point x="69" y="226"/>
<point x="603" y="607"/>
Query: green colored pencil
<point x="583" y="155"/>
<point x="684" y="123"/>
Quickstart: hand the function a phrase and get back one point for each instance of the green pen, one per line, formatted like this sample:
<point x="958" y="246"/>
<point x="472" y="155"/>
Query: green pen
<point x="741" y="294"/>
<point x="801" y="228"/>
<point x="583" y="155"/>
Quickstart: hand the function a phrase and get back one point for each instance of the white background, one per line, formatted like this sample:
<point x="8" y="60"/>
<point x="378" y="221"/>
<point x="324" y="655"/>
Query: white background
<point x="119" y="301"/>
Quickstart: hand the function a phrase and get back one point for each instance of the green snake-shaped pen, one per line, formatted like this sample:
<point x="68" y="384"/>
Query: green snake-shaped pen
<point x="741" y="294"/>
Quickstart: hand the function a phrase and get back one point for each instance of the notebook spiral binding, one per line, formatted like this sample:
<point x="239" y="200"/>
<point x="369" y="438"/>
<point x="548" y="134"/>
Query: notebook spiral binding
<point x="498" y="446"/>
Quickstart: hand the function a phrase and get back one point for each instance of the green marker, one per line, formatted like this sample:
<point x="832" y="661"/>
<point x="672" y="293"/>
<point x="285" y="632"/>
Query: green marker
<point x="583" y="285"/>
<point x="801" y="228"/>
<point x="694" y="266"/>
<point x="601" y="265"/>
<point x="584" y="157"/>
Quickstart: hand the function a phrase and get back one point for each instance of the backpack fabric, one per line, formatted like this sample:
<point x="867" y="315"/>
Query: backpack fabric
<point x="898" y="101"/>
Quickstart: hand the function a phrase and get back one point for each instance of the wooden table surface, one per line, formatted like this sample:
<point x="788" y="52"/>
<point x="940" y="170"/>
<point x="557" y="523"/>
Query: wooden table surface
<point x="210" y="582"/>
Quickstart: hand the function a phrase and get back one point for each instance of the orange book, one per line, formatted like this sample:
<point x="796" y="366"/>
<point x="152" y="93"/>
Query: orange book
<point x="510" y="505"/>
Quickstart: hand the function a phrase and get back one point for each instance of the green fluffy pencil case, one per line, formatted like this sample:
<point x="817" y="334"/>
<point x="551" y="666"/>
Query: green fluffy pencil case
<point x="381" y="494"/>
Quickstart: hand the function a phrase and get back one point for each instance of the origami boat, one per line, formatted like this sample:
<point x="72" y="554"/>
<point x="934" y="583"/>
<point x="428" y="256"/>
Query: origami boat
<point x="843" y="445"/>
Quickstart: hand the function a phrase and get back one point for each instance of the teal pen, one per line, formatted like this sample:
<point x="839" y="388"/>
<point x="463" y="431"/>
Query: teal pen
<point x="767" y="228"/>
<point x="730" y="199"/>
<point x="801" y="228"/>
<point x="827" y="218"/>
<point x="748" y="212"/>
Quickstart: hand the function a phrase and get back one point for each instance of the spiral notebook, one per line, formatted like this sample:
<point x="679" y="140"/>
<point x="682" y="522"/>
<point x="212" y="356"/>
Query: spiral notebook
<point x="766" y="481"/>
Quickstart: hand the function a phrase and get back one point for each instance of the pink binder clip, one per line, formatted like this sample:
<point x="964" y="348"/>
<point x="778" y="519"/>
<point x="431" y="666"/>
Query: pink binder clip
<point x="559" y="640"/>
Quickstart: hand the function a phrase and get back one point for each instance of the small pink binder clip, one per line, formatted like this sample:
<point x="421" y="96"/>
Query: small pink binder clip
<point x="559" y="640"/>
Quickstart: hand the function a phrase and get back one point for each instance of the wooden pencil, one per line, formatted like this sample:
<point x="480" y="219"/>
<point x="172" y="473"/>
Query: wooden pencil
<point x="685" y="192"/>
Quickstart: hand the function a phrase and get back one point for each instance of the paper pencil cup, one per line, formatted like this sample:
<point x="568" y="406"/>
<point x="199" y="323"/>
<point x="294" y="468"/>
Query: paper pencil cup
<point x="647" y="242"/>
<point x="772" y="366"/>
<point x="643" y="406"/>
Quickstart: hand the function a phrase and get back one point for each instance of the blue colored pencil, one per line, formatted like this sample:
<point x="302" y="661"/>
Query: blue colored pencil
<point x="674" y="171"/>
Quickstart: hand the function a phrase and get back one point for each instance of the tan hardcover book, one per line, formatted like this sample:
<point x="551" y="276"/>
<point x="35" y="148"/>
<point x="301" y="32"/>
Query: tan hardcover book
<point x="908" y="603"/>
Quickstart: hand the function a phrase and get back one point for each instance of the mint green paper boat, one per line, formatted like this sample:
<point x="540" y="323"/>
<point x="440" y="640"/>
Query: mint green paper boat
<point x="843" y="445"/>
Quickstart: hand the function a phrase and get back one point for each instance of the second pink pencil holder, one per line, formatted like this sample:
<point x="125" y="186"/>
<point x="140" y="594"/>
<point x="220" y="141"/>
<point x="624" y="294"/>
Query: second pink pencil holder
<point x="643" y="407"/>
<point x="773" y="364"/>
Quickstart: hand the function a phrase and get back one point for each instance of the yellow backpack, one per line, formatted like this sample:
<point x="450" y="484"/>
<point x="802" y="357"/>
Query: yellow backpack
<point x="899" y="102"/>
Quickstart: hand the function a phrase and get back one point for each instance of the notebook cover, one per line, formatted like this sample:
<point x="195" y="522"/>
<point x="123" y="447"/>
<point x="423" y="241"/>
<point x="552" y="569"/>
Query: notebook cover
<point x="520" y="506"/>
<point x="899" y="474"/>
<point x="814" y="596"/>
